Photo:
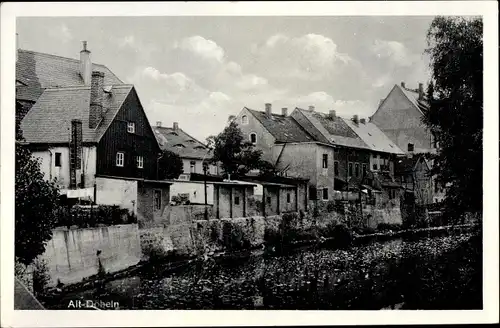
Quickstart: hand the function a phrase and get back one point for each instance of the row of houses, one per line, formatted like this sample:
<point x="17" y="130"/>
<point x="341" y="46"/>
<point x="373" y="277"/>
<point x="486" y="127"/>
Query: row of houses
<point x="93" y="138"/>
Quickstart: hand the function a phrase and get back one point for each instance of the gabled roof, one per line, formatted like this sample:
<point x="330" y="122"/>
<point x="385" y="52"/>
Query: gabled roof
<point x="408" y="164"/>
<point x="283" y="128"/>
<point x="39" y="71"/>
<point x="49" y="120"/>
<point x="373" y="137"/>
<point x="411" y="94"/>
<point x="179" y="142"/>
<point x="335" y="130"/>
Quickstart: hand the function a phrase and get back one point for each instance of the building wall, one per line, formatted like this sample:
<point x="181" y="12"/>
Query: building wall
<point x="301" y="160"/>
<point x="119" y="192"/>
<point x="198" y="166"/>
<point x="288" y="206"/>
<point x="265" y="140"/>
<point x="271" y="201"/>
<point x="51" y="172"/>
<point x="351" y="155"/>
<point x="224" y="201"/>
<point x="401" y="122"/>
<point x="146" y="211"/>
<point x="195" y="190"/>
<point x="71" y="255"/>
<point x="117" y="139"/>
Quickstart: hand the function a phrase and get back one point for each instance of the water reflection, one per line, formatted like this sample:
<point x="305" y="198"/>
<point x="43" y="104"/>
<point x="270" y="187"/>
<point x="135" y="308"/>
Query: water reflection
<point x="364" y="277"/>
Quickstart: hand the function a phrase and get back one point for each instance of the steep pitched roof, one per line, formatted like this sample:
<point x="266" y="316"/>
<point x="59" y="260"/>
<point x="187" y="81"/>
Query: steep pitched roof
<point x="49" y="120"/>
<point x="373" y="137"/>
<point x="413" y="96"/>
<point x="40" y="71"/>
<point x="335" y="130"/>
<point x="179" y="142"/>
<point x="283" y="128"/>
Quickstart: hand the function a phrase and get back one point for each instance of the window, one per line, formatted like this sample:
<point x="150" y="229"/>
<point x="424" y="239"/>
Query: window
<point x="356" y="169"/>
<point x="312" y="193"/>
<point x="350" y="169"/>
<point x="336" y="168"/>
<point x="325" y="161"/>
<point x="131" y="127"/>
<point x="325" y="193"/>
<point x="268" y="200"/>
<point x="192" y="166"/>
<point x="58" y="160"/>
<point x="244" y="120"/>
<point x="288" y="198"/>
<point x="392" y="193"/>
<point x="236" y="200"/>
<point x="157" y="199"/>
<point x="120" y="159"/>
<point x="140" y="161"/>
<point x="364" y="169"/>
<point x="253" y="138"/>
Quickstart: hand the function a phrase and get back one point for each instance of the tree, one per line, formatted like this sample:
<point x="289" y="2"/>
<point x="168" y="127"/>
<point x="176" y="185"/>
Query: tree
<point x="455" y="113"/>
<point x="36" y="201"/>
<point x="169" y="165"/>
<point x="236" y="156"/>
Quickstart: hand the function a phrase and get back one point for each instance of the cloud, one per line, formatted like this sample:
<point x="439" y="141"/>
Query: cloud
<point x="61" y="32"/>
<point x="323" y="102"/>
<point x="311" y="56"/>
<point x="202" y="47"/>
<point x="142" y="49"/>
<point x="395" y="51"/>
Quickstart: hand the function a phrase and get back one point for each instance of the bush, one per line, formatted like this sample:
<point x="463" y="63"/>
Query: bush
<point x="233" y="237"/>
<point x="41" y="277"/>
<point x="342" y="236"/>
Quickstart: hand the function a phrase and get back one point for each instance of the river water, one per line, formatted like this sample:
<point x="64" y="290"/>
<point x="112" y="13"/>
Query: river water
<point x="362" y="277"/>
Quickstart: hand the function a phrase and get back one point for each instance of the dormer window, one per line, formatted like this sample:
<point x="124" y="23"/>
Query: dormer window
<point x="179" y="146"/>
<point x="244" y="120"/>
<point x="173" y="133"/>
<point x="131" y="127"/>
<point x="190" y="141"/>
<point x="199" y="147"/>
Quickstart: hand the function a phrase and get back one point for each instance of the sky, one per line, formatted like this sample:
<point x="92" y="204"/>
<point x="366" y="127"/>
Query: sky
<point x="199" y="70"/>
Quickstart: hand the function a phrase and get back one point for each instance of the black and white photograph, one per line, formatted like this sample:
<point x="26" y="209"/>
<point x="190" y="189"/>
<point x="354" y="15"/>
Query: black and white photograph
<point x="326" y="162"/>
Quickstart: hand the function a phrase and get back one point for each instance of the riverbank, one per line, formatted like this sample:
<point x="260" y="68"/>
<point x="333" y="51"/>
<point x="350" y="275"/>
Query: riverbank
<point x="196" y="271"/>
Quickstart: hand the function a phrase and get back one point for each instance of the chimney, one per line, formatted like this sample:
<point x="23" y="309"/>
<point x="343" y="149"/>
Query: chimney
<point x="230" y="118"/>
<point x="268" y="110"/>
<point x="355" y="119"/>
<point x="17" y="46"/>
<point x="403" y="85"/>
<point x="284" y="111"/>
<point x="96" y="95"/>
<point x="176" y="126"/>
<point x="332" y="114"/>
<point x="75" y="152"/>
<point x="420" y="91"/>
<point x="362" y="121"/>
<point x="158" y="124"/>
<point x="85" y="64"/>
<point x="311" y="108"/>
